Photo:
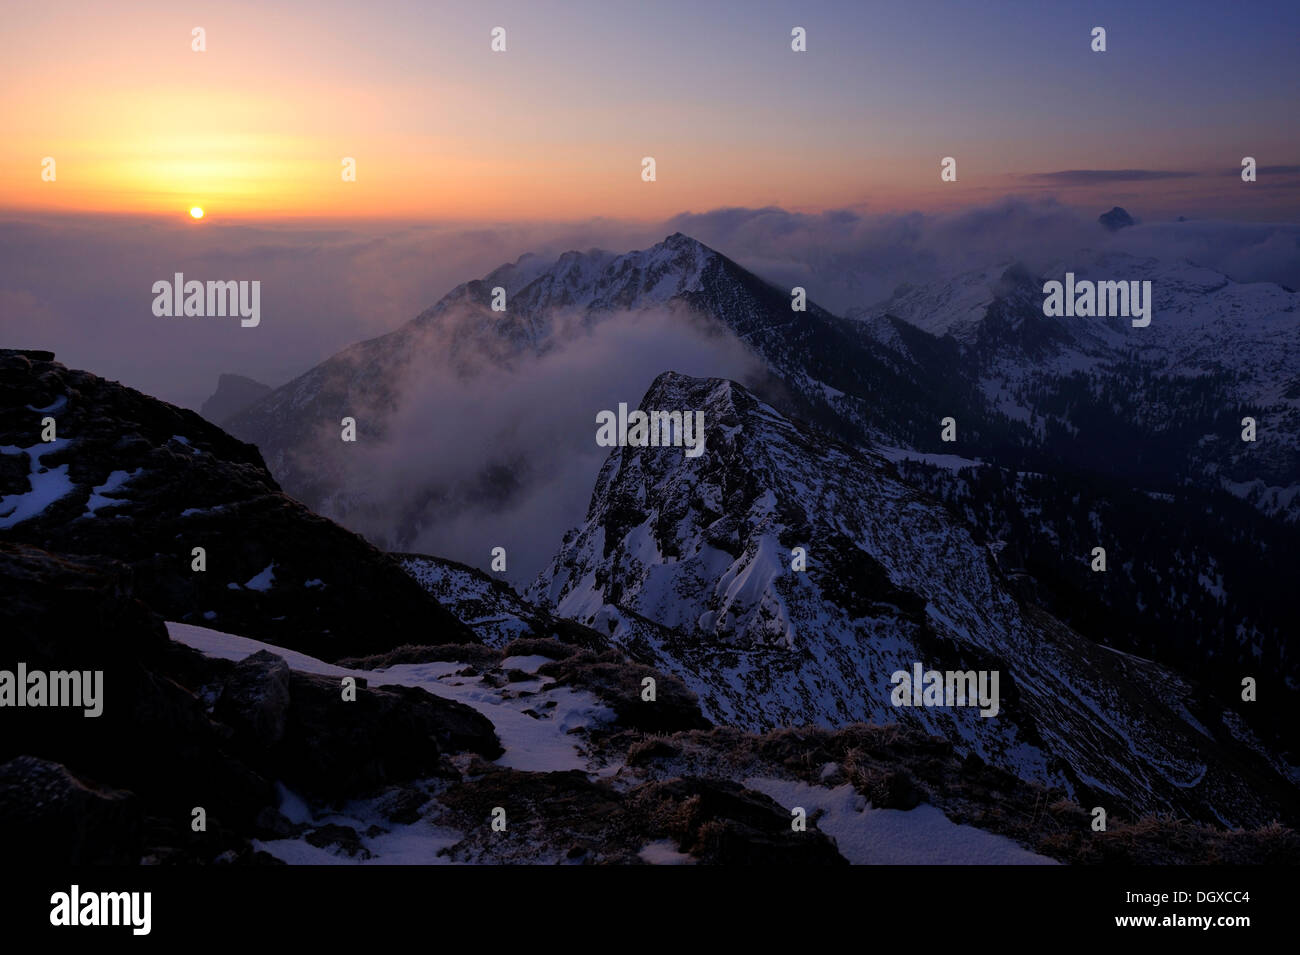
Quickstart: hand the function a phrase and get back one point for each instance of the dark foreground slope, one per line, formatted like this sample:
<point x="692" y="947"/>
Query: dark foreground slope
<point x="136" y="479"/>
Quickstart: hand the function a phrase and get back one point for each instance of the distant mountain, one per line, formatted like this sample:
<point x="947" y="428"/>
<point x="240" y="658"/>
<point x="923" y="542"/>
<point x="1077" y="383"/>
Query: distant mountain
<point x="688" y="565"/>
<point x="1116" y="219"/>
<point x="234" y="393"/>
<point x="1172" y="394"/>
<point x="818" y="366"/>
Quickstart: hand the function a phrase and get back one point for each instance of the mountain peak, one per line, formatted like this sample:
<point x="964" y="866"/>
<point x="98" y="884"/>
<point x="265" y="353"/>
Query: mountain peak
<point x="681" y="242"/>
<point x="1118" y="218"/>
<point x="234" y="393"/>
<point x="671" y="388"/>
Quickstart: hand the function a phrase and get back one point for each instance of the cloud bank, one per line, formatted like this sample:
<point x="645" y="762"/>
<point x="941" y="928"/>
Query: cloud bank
<point x="81" y="286"/>
<point x="488" y="454"/>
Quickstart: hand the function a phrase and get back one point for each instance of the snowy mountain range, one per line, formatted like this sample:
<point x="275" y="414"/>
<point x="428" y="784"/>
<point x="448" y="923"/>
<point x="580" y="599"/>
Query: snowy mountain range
<point x="828" y="539"/>
<point x="1216" y="351"/>
<point x="1070" y="433"/>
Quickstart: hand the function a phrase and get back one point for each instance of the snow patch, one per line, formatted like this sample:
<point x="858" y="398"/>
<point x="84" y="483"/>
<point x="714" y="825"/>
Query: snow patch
<point x="47" y="484"/>
<point x="920" y="836"/>
<point x="264" y="580"/>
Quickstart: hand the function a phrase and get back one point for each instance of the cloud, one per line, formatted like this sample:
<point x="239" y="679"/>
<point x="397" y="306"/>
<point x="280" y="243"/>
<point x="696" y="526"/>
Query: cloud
<point x="1244" y="251"/>
<point x="847" y="259"/>
<point x="1089" y="177"/>
<point x="512" y="448"/>
<point x="487" y="454"/>
<point x="80" y="286"/>
<point x="1266" y="171"/>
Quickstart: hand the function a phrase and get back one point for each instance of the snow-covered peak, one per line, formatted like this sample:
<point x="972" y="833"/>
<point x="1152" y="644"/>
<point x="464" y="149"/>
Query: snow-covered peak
<point x="784" y="577"/>
<point x="955" y="307"/>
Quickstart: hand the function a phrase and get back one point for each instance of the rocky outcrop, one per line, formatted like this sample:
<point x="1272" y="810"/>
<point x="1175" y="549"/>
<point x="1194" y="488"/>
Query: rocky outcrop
<point x="144" y="482"/>
<point x="152" y="736"/>
<point x="234" y="393"/>
<point x="52" y="816"/>
<point x="178" y="731"/>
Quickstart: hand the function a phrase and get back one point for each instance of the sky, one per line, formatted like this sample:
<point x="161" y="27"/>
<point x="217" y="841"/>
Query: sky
<point x="554" y="128"/>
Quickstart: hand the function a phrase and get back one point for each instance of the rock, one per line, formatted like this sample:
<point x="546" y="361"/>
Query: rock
<point x="893" y="789"/>
<point x="153" y="736"/>
<point x="49" y="817"/>
<point x="254" y="699"/>
<point x="566" y="815"/>
<point x="273" y="824"/>
<point x="345" y="837"/>
<point x="334" y="749"/>
<point x="33" y="354"/>
<point x="402" y="804"/>
<point x="721" y="822"/>
<point x="617" y="681"/>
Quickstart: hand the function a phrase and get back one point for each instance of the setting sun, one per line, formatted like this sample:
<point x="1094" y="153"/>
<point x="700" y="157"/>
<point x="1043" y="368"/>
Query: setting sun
<point x="196" y="212"/>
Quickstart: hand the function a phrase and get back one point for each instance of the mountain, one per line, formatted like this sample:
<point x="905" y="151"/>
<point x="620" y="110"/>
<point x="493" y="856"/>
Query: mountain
<point x="234" y="393"/>
<point x="687" y="565"/>
<point x="1072" y="433"/>
<point x="816" y="366"/>
<point x="1135" y="444"/>
<point x="1118" y="218"/>
<point x="490" y="607"/>
<point x="135" y="479"/>
<point x="1171" y="395"/>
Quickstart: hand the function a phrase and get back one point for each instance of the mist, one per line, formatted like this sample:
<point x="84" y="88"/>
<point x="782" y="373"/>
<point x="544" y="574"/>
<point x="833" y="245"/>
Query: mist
<point x="485" y="455"/>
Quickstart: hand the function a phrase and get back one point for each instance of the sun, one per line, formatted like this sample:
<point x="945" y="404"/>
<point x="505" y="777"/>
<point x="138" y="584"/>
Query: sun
<point x="196" y="212"/>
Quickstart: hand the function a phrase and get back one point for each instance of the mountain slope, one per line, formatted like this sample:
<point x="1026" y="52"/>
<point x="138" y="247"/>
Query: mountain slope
<point x="687" y="564"/>
<point x="136" y="479"/>
<point x="1134" y="443"/>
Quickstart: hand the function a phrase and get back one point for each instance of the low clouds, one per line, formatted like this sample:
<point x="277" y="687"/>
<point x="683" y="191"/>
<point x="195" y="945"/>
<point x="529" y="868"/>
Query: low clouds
<point x="1088" y="177"/>
<point x="848" y="259"/>
<point x="81" y="285"/>
<point x="504" y="454"/>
